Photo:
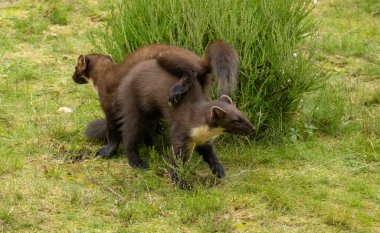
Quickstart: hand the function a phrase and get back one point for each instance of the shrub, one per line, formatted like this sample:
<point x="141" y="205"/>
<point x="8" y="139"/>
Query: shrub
<point x="269" y="35"/>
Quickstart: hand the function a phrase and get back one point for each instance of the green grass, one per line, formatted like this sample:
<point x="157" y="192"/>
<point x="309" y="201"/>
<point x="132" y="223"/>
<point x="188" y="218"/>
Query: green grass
<point x="325" y="177"/>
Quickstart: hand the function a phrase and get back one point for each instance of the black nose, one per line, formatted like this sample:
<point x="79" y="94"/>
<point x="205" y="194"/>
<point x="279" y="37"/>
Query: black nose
<point x="79" y="79"/>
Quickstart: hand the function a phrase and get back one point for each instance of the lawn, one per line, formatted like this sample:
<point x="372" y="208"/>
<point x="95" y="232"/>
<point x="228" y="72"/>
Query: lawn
<point x="324" y="177"/>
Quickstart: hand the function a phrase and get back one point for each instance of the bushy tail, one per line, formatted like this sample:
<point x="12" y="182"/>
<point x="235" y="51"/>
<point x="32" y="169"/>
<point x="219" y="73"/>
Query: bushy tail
<point x="97" y="130"/>
<point x="223" y="60"/>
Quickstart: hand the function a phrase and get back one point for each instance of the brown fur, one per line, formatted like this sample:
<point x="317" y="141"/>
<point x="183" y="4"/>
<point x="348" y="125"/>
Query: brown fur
<point x="194" y="123"/>
<point x="106" y="76"/>
<point x="220" y="59"/>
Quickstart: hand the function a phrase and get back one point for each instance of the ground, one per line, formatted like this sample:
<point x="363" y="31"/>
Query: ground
<point x="50" y="181"/>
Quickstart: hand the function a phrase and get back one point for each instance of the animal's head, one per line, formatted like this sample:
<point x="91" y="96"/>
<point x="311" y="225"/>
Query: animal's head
<point x="224" y="114"/>
<point x="85" y="64"/>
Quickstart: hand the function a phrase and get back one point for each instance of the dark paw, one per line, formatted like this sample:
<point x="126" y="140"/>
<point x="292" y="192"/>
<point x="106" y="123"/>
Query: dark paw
<point x="218" y="170"/>
<point x="181" y="183"/>
<point x="175" y="95"/>
<point x="106" y="152"/>
<point x="139" y="165"/>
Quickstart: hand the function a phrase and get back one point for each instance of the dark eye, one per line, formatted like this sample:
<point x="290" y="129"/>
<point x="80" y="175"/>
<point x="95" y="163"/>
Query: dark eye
<point x="238" y="120"/>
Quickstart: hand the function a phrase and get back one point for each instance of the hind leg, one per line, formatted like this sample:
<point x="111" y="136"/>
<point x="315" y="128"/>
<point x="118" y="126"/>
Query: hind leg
<point x="110" y="109"/>
<point x="133" y="132"/>
<point x="113" y="137"/>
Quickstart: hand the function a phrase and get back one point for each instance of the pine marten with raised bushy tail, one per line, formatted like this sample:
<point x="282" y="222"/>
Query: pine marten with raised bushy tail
<point x="193" y="124"/>
<point x="220" y="59"/>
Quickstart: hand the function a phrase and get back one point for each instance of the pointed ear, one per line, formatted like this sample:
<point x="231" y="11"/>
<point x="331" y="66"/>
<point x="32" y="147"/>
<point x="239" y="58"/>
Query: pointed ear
<point x="81" y="62"/>
<point x="217" y="113"/>
<point x="226" y="99"/>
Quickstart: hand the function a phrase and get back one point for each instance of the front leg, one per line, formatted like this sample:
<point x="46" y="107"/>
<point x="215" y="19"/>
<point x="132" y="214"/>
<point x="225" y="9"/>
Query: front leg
<point x="113" y="137"/>
<point x="184" y="67"/>
<point x="208" y="153"/>
<point x="132" y="133"/>
<point x="180" y="88"/>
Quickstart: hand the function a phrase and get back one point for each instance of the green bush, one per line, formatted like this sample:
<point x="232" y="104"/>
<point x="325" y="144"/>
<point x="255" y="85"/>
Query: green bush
<point x="271" y="37"/>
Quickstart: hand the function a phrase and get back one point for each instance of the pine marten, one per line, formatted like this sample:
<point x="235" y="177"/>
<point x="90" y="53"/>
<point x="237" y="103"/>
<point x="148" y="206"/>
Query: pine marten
<point x="220" y="59"/>
<point x="193" y="124"/>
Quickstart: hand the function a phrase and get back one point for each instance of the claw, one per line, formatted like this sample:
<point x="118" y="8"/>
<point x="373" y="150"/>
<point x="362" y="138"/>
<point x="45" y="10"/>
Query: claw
<point x="106" y="151"/>
<point x="140" y="165"/>
<point x="174" y="99"/>
<point x="219" y="171"/>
